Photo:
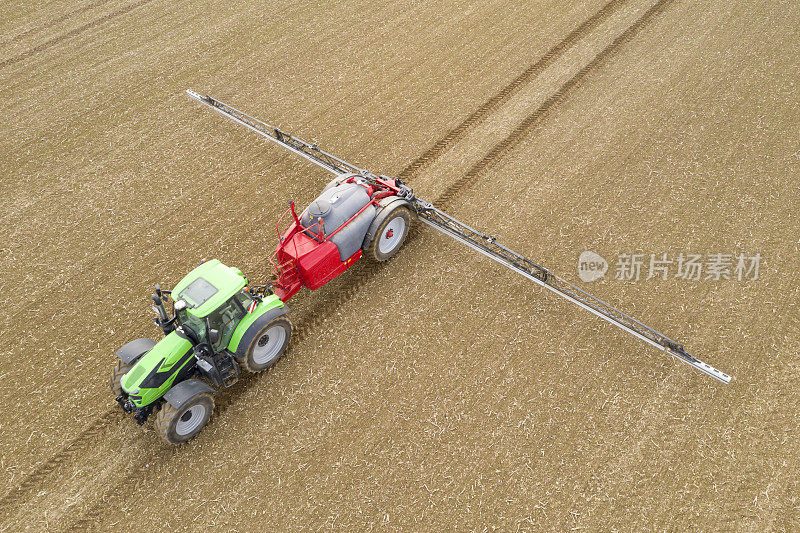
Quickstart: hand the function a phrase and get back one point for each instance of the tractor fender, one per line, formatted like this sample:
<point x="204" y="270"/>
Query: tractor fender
<point x="132" y="351"/>
<point x="385" y="208"/>
<point x="265" y="313"/>
<point x="185" y="391"/>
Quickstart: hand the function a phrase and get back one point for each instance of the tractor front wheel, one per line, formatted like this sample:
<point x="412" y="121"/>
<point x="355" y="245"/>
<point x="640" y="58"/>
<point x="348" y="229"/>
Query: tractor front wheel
<point x="390" y="236"/>
<point x="267" y="346"/>
<point x="179" y="425"/>
<point x="120" y="369"/>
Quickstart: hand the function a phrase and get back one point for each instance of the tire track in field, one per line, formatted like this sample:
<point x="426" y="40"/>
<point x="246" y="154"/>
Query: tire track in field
<point x="72" y="33"/>
<point x="358" y="276"/>
<point x="34" y="479"/>
<point x="531" y="121"/>
<point x="486" y="109"/>
<point x="59" y="20"/>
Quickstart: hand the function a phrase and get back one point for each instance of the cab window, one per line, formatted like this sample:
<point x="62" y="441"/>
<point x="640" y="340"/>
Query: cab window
<point x="225" y="319"/>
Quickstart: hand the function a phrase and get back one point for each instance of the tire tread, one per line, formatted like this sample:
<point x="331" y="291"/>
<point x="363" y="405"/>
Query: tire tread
<point x="120" y="369"/>
<point x="167" y="413"/>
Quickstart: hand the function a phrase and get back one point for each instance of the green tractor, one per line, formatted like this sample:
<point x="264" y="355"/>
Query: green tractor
<point x="218" y="327"/>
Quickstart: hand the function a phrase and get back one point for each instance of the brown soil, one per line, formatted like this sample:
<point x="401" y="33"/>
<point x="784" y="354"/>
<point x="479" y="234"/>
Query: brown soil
<point x="439" y="390"/>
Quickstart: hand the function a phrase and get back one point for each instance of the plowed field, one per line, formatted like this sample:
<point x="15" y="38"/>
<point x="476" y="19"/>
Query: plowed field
<point x="437" y="391"/>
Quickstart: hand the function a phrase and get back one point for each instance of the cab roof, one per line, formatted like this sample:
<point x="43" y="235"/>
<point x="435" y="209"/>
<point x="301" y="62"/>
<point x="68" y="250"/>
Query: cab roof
<point x="208" y="286"/>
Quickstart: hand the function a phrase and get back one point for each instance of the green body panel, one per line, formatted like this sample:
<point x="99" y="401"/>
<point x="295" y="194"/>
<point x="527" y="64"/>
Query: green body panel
<point x="228" y="281"/>
<point x="270" y="302"/>
<point x="166" y="358"/>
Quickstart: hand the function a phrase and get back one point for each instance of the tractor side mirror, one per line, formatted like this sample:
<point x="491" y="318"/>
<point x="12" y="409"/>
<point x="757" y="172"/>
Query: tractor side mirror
<point x="213" y="336"/>
<point x="158" y="307"/>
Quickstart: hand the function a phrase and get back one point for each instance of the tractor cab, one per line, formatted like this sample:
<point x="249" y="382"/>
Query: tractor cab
<point x="209" y="302"/>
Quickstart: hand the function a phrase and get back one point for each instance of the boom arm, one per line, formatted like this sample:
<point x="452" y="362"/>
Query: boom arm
<point x="300" y="147"/>
<point x="476" y="240"/>
<point x="489" y="246"/>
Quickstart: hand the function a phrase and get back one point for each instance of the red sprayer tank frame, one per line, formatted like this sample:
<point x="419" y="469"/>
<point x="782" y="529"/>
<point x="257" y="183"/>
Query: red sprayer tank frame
<point x="288" y="272"/>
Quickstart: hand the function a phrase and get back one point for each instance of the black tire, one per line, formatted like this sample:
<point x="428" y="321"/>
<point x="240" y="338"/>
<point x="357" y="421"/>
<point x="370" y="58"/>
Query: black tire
<point x="390" y="236"/>
<point x="120" y="369"/>
<point x="180" y="425"/>
<point x="267" y="346"/>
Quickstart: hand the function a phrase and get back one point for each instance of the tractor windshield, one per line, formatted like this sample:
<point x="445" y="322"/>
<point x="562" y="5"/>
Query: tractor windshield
<point x="226" y="317"/>
<point x="197" y="325"/>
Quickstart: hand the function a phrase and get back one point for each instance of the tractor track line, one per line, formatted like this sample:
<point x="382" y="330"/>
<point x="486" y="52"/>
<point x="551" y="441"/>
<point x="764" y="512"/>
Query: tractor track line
<point x="92" y="516"/>
<point x="72" y="33"/>
<point x="55" y="22"/>
<point x="360" y="278"/>
<point x="531" y="121"/>
<point x="500" y="98"/>
<point x="32" y="480"/>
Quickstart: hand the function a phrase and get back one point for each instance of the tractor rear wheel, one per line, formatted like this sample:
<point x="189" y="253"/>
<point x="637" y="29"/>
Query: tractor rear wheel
<point x="120" y="369"/>
<point x="391" y="235"/>
<point x="267" y="346"/>
<point x="179" y="425"/>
